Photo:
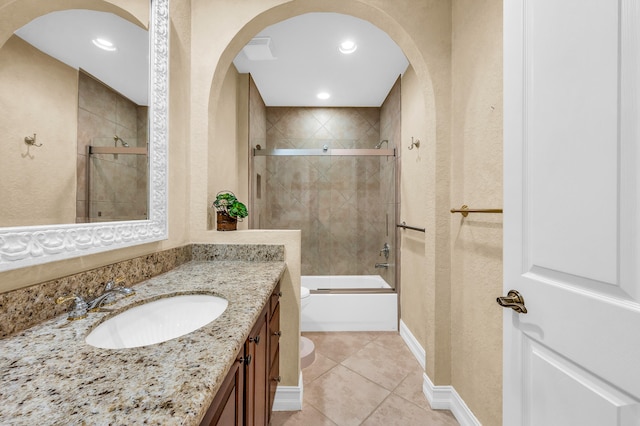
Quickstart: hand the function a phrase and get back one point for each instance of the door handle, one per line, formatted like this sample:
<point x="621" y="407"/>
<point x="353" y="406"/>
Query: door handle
<point x="513" y="300"/>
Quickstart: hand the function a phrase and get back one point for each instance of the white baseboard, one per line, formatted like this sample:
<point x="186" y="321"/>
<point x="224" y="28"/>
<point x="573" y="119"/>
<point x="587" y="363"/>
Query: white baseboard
<point x="415" y="348"/>
<point x="439" y="397"/>
<point x="446" y="398"/>
<point x="289" y="398"/>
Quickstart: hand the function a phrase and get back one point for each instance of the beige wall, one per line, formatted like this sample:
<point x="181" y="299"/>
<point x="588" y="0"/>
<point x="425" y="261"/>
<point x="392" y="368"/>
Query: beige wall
<point x="476" y="180"/>
<point x="38" y="94"/>
<point x="417" y="189"/>
<point x="228" y="143"/>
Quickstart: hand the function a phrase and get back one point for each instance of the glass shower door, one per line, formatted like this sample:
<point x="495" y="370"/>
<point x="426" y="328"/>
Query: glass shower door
<point x="343" y="200"/>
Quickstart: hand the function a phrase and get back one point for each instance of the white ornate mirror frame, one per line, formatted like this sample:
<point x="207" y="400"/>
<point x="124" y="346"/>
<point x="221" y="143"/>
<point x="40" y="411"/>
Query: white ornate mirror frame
<point x="33" y="245"/>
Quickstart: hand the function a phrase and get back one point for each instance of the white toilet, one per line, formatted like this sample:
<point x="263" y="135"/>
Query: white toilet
<point x="307" y="348"/>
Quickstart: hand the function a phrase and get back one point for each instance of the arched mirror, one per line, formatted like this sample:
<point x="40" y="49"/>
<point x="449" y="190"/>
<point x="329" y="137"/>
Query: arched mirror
<point x="83" y="141"/>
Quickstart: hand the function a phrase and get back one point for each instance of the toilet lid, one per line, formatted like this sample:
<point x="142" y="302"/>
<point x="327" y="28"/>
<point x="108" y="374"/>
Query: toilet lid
<point x="304" y="292"/>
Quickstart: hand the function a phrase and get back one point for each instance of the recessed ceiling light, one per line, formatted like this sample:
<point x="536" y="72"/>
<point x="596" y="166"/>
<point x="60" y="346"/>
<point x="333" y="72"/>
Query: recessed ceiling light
<point x="104" y="44"/>
<point x="323" y="95"/>
<point x="347" y="47"/>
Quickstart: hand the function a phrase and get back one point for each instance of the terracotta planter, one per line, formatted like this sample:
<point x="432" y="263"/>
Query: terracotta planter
<point x="224" y="222"/>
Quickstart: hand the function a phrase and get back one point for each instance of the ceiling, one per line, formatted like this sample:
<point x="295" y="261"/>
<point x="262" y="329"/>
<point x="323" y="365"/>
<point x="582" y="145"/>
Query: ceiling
<point x="67" y="35"/>
<point x="307" y="61"/>
<point x="305" y="48"/>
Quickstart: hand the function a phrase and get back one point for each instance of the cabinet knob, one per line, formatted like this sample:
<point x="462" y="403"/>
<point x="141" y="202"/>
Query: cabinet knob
<point x="277" y="333"/>
<point x="255" y="340"/>
<point x="245" y="360"/>
<point x="279" y="294"/>
<point x="277" y="379"/>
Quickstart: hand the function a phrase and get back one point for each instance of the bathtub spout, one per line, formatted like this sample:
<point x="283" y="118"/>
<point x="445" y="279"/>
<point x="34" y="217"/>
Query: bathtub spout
<point x="382" y="265"/>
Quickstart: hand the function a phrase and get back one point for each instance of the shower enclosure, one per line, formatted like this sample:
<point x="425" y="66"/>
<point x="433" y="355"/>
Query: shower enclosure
<point x="344" y="202"/>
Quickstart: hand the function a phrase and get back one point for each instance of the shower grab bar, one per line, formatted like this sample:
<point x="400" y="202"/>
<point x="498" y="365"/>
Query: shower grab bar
<point x="323" y="152"/>
<point x="405" y="226"/>
<point x="465" y="210"/>
<point x="117" y="150"/>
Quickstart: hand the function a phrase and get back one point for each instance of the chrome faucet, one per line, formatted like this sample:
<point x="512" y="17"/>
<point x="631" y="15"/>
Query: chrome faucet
<point x="382" y="265"/>
<point x="81" y="307"/>
<point x="108" y="295"/>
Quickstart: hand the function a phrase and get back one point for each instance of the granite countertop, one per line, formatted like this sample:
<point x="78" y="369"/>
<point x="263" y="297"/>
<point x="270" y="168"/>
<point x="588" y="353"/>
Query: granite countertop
<point x="49" y="375"/>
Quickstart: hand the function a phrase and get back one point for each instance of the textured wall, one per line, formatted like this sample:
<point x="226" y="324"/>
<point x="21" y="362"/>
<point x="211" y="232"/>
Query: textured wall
<point x="416" y="195"/>
<point x="223" y="176"/>
<point x="38" y="94"/>
<point x="476" y="325"/>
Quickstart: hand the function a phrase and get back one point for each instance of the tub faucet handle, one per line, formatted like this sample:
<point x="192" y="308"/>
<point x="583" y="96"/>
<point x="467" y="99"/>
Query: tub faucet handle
<point x="386" y="248"/>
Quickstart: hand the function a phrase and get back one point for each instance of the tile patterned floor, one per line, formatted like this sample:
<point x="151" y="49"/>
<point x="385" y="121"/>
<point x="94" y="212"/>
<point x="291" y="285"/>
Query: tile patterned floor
<point x="363" y="378"/>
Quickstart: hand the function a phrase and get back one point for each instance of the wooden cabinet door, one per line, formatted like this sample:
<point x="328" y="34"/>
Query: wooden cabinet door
<point x="256" y="374"/>
<point x="274" y="356"/>
<point x="227" y="408"/>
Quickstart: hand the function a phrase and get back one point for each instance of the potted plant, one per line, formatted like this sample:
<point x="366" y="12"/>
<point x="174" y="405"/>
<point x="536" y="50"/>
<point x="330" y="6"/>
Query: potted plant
<point x="228" y="211"/>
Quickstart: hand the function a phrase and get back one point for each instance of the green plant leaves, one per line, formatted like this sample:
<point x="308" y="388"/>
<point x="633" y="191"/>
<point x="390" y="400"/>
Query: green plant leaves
<point x="228" y="203"/>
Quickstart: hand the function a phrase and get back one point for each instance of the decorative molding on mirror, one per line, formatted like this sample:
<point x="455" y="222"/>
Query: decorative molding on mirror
<point x="34" y="245"/>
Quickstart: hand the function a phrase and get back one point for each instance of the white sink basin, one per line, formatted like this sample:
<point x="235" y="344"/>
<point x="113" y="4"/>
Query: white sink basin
<point x="157" y="321"/>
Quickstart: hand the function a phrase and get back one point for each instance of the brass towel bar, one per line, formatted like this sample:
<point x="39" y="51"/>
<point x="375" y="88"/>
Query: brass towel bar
<point x="465" y="210"/>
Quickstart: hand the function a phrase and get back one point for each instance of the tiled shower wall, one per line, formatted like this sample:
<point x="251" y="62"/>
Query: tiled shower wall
<point x="341" y="204"/>
<point x="118" y="183"/>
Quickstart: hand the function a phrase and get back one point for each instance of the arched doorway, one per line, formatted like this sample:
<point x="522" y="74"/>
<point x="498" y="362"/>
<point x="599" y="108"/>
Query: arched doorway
<point x="428" y="54"/>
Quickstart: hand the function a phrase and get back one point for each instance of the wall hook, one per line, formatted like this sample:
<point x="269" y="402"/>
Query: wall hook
<point x="415" y="143"/>
<point x="31" y="140"/>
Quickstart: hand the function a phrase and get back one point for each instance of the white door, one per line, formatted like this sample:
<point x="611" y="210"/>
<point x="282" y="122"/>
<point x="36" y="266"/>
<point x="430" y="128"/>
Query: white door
<point x="572" y="212"/>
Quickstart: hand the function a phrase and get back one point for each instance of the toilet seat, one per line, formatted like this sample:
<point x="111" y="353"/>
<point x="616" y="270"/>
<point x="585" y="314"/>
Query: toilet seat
<point x="304" y="292"/>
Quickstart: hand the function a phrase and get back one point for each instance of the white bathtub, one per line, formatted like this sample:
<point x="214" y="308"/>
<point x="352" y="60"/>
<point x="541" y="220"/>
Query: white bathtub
<point x="353" y="307"/>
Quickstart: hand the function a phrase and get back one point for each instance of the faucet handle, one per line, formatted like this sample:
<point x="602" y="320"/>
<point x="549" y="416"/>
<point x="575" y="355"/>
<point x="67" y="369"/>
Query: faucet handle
<point x="385" y="250"/>
<point x="111" y="283"/>
<point x="79" y="309"/>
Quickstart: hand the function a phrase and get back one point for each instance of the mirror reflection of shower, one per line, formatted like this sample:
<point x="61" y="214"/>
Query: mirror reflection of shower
<point x="112" y="155"/>
<point x="117" y="139"/>
<point x="379" y="145"/>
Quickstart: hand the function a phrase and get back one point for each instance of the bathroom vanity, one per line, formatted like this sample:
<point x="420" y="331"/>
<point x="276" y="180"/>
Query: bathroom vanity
<point x="49" y="373"/>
